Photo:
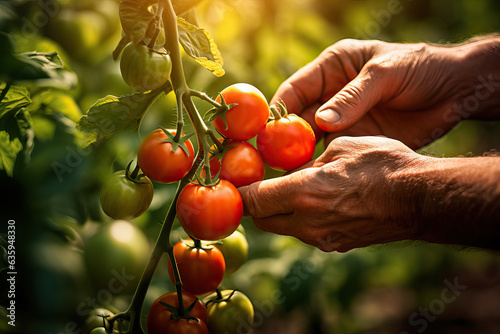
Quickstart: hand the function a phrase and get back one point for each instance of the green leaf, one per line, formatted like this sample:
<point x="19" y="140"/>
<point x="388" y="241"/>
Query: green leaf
<point x="200" y="45"/>
<point x="45" y="67"/>
<point x="138" y="22"/>
<point x="17" y="97"/>
<point x="50" y="102"/>
<point x="16" y="130"/>
<point x="9" y="149"/>
<point x="112" y="114"/>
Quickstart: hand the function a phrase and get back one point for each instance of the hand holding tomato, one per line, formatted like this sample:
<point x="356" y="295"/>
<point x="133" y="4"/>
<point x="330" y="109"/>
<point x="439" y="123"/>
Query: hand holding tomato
<point x="338" y="201"/>
<point x="364" y="88"/>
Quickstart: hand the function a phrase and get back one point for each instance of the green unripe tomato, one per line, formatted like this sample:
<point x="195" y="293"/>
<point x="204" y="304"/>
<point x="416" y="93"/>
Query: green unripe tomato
<point x="99" y="330"/>
<point x="96" y="319"/>
<point x="122" y="198"/>
<point x="115" y="256"/>
<point x="144" y="69"/>
<point x="233" y="315"/>
<point x="235" y="251"/>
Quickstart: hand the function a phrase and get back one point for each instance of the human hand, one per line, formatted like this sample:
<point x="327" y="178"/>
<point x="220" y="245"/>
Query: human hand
<point x="342" y="200"/>
<point x="411" y="92"/>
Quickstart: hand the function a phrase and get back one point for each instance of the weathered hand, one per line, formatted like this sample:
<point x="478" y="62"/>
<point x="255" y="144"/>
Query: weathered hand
<point x="411" y="92"/>
<point x="341" y="200"/>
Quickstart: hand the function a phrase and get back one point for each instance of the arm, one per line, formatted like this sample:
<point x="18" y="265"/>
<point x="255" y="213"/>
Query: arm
<point x="370" y="190"/>
<point x="452" y="200"/>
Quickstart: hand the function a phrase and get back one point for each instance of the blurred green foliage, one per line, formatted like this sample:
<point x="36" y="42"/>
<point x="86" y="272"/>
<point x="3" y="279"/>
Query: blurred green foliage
<point x="53" y="195"/>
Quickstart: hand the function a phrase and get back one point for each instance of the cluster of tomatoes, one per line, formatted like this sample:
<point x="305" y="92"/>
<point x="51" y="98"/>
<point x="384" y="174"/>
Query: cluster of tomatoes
<point x="210" y="212"/>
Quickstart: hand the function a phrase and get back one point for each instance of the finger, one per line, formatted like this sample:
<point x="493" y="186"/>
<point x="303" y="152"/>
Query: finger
<point x="286" y="225"/>
<point x="269" y="197"/>
<point x="353" y="101"/>
<point x="302" y="89"/>
<point x="279" y="224"/>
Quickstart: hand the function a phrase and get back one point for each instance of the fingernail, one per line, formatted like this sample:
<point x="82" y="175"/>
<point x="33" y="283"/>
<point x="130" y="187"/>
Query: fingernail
<point x="329" y="116"/>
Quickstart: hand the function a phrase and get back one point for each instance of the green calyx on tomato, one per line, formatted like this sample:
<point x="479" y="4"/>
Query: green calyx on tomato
<point x="229" y="311"/>
<point x="220" y="112"/>
<point x="161" y="160"/>
<point x="144" y="69"/>
<point x="210" y="212"/>
<point x="248" y="115"/>
<point x="126" y="196"/>
<point x="286" y="142"/>
<point x="201" y="269"/>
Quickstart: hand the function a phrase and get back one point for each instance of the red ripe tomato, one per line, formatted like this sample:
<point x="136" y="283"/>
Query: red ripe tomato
<point x="158" y="315"/>
<point x="245" y="119"/>
<point x="159" y="162"/>
<point x="241" y="165"/>
<point x="201" y="269"/>
<point x="286" y="143"/>
<point x="210" y="212"/>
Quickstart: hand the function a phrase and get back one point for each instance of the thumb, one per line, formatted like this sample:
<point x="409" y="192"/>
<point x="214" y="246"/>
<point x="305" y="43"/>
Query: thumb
<point x="269" y="197"/>
<point x="347" y="107"/>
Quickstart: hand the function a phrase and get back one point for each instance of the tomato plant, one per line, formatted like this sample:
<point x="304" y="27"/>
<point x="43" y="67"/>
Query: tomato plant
<point x="201" y="268"/>
<point x="125" y="198"/>
<point x="117" y="247"/>
<point x="210" y="212"/>
<point x="287" y="142"/>
<point x="235" y="251"/>
<point x="229" y="312"/>
<point x="244" y="120"/>
<point x="159" y="315"/>
<point x="144" y="69"/>
<point x="163" y="160"/>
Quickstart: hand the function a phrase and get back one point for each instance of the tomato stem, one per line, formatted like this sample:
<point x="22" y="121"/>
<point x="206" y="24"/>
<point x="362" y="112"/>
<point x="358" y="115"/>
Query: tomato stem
<point x="205" y="97"/>
<point x="219" y="294"/>
<point x="276" y="114"/>
<point x="180" y="118"/>
<point x="135" y="172"/>
<point x="197" y="242"/>
<point x="183" y="97"/>
<point x="178" y="282"/>
<point x="158" y="15"/>
<point x="220" y="146"/>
